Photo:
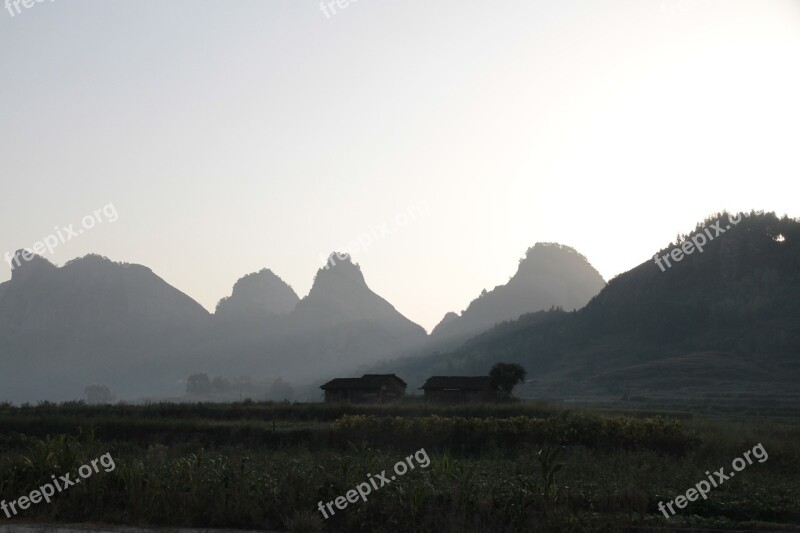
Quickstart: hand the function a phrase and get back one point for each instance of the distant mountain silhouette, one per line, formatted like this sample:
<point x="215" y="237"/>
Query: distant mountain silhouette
<point x="341" y="295"/>
<point x="96" y="321"/>
<point x="256" y="296"/>
<point x="338" y="327"/>
<point x="550" y="275"/>
<point x="92" y="320"/>
<point x="728" y="317"/>
<point x="663" y="331"/>
<point x="343" y="324"/>
<point x="91" y="296"/>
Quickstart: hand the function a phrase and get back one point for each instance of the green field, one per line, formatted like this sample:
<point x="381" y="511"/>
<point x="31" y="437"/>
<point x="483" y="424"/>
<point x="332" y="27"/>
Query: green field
<point x="266" y="466"/>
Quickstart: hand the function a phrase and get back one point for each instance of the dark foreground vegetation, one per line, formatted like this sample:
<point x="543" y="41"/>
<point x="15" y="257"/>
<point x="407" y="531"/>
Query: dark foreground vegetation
<point x="266" y="466"/>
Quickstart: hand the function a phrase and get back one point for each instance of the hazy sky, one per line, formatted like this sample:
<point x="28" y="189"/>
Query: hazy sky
<point x="237" y="135"/>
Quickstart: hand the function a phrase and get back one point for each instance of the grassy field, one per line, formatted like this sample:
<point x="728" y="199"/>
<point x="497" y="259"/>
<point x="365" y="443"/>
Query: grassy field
<point x="266" y="466"/>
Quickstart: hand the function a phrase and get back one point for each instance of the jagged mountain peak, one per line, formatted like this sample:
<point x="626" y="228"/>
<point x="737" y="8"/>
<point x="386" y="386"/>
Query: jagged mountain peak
<point x="340" y="294"/>
<point x="339" y="273"/>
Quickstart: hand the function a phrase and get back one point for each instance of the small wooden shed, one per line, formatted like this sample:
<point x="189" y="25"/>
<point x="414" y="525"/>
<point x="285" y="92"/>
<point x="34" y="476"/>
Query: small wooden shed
<point x="459" y="389"/>
<point x="369" y="388"/>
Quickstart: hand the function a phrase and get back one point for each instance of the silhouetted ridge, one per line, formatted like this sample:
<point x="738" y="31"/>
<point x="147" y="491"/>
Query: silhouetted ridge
<point x="35" y="265"/>
<point x="339" y="276"/>
<point x="550" y="275"/>
<point x="92" y="321"/>
<point x="340" y="325"/>
<point x="448" y="318"/>
<point x="258" y="295"/>
<point x="340" y="294"/>
<point x="740" y="297"/>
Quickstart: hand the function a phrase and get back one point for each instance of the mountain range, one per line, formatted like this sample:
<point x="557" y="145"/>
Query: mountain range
<point x="729" y="315"/>
<point x="97" y="321"/>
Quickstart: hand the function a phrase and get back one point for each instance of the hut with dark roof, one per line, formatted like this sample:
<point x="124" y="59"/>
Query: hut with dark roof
<point x="459" y="389"/>
<point x="369" y="388"/>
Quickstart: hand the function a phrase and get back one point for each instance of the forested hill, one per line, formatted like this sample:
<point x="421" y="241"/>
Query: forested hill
<point x="729" y="313"/>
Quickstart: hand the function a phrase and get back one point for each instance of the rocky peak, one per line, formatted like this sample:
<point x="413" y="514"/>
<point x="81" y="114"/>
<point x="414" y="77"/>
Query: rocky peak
<point x="26" y="265"/>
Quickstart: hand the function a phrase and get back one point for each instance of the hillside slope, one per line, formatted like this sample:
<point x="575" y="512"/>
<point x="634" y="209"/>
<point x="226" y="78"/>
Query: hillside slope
<point x="550" y="275"/>
<point x="738" y="299"/>
<point x="92" y="321"/>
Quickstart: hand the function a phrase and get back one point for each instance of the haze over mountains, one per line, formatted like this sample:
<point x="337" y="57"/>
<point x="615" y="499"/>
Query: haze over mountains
<point x="92" y="321"/>
<point x="723" y="322"/>
<point x="96" y="321"/>
<point x="550" y="275"/>
<point x="340" y="325"/>
<point x="727" y="315"/>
